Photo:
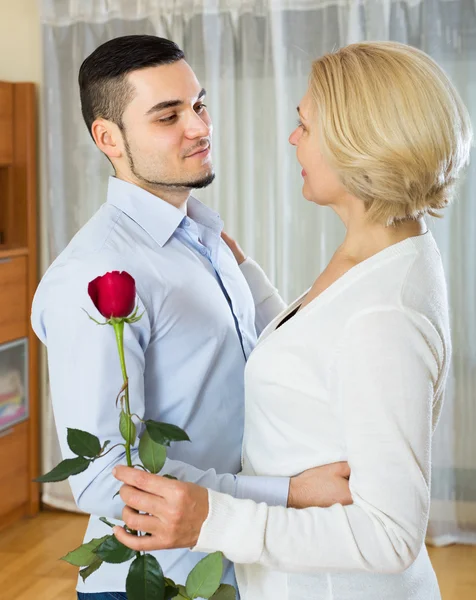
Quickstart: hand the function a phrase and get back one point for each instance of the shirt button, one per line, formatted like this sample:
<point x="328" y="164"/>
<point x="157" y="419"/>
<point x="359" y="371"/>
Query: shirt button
<point x="203" y="251"/>
<point x="186" y="223"/>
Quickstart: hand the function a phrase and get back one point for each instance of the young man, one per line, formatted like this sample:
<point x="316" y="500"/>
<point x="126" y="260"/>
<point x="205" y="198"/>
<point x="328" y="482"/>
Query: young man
<point x="186" y="356"/>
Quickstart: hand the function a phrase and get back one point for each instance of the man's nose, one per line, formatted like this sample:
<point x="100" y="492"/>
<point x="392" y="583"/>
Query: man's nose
<point x="197" y="127"/>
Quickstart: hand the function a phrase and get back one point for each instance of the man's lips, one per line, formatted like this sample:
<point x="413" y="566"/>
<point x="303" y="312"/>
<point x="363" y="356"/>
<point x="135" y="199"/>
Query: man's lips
<point x="200" y="151"/>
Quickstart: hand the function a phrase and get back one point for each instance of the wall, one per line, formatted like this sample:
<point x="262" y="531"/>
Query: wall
<point x="20" y="41"/>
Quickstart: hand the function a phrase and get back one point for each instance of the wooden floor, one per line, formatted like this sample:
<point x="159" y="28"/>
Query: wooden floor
<point x="30" y="569"/>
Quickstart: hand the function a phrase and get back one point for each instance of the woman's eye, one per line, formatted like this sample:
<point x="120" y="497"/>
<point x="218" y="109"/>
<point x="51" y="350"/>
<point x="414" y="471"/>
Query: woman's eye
<point x="300" y="124"/>
<point x="168" y="119"/>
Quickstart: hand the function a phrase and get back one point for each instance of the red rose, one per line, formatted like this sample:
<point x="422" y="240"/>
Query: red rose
<point x="113" y="294"/>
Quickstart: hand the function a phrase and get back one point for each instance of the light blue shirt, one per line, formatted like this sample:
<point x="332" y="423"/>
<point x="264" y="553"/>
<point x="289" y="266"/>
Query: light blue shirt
<point x="185" y="357"/>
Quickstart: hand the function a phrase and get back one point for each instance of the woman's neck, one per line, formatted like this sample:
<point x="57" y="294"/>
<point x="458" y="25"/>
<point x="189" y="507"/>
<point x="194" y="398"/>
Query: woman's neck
<point x="365" y="238"/>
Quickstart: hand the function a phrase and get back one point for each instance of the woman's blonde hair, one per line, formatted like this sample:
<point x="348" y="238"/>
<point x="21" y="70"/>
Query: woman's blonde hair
<point x="392" y="126"/>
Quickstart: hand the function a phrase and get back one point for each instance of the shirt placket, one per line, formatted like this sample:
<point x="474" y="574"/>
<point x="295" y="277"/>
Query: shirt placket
<point x="190" y="236"/>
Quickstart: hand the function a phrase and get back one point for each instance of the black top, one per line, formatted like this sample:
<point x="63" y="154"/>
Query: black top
<point x="289" y="316"/>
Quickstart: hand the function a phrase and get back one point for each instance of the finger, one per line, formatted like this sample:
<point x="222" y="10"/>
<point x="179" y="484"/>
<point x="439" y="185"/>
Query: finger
<point x="138" y="521"/>
<point x="154" y="484"/>
<point x="339" y="469"/>
<point x="139" y="543"/>
<point x="344" y="469"/>
<point x="343" y="495"/>
<point x="143" y="501"/>
<point x="228" y="240"/>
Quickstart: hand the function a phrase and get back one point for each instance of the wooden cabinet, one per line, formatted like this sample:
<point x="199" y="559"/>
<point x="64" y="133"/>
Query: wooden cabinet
<point x="14" y="468"/>
<point x="19" y="423"/>
<point x="13" y="298"/>
<point x="6" y="123"/>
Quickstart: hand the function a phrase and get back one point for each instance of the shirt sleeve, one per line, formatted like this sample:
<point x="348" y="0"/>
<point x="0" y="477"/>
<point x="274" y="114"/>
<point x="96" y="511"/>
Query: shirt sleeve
<point x="268" y="302"/>
<point x="383" y="382"/>
<point x="85" y="377"/>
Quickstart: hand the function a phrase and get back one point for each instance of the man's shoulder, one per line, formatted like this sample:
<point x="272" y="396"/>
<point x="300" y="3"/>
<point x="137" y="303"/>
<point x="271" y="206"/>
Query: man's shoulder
<point x="96" y="233"/>
<point x="95" y="239"/>
<point x="92" y="252"/>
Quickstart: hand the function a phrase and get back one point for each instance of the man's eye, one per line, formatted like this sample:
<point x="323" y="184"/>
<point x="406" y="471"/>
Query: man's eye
<point x="168" y="119"/>
<point x="200" y="107"/>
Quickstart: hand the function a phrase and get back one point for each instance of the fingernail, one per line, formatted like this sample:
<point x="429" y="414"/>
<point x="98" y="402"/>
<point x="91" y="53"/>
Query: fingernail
<point x="114" y="471"/>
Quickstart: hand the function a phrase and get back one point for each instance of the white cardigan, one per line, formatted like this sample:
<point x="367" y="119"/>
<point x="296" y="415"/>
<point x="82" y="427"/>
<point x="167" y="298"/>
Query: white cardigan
<point x="358" y="374"/>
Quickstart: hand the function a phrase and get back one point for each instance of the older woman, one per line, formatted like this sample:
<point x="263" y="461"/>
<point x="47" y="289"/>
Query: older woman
<point x="355" y="369"/>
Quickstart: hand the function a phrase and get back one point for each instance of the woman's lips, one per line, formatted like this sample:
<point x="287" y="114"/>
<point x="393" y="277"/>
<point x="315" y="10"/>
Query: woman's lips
<point x="303" y="173"/>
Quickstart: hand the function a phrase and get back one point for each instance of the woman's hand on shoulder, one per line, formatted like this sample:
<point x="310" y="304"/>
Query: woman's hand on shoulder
<point x="238" y="253"/>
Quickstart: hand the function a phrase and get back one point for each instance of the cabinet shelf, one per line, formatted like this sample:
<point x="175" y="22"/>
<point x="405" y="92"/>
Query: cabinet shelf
<point x="10" y="252"/>
<point x="14" y="401"/>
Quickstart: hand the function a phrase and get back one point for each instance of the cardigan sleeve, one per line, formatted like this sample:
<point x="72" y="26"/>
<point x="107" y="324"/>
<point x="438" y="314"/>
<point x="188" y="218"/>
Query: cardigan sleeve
<point x="382" y="382"/>
<point x="268" y="302"/>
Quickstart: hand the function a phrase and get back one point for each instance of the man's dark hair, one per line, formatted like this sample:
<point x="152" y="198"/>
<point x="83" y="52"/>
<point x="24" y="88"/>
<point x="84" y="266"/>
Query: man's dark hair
<point x="103" y="86"/>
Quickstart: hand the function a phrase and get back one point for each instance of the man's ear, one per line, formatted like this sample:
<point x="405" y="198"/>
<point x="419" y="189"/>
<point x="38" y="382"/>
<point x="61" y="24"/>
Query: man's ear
<point x="108" y="137"/>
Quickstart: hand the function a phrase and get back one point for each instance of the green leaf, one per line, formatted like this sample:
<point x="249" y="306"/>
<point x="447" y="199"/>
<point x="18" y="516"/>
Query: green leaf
<point x="83" y="443"/>
<point x="204" y="579"/>
<point x="89" y="570"/>
<point x="171" y="591"/>
<point x="145" y="580"/>
<point x="116" y="494"/>
<point x="151" y="453"/>
<point x="164" y="433"/>
<point x="127" y="428"/>
<point x="66" y="468"/>
<point x="84" y="555"/>
<point x="113" y="551"/>
<point x="182" y="593"/>
<point x="167" y="476"/>
<point x="106" y="522"/>
<point x="105" y="445"/>
<point x="224" y="592"/>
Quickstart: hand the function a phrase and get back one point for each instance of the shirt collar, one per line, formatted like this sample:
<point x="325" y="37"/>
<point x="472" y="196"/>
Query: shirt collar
<point x="157" y="217"/>
<point x="201" y="214"/>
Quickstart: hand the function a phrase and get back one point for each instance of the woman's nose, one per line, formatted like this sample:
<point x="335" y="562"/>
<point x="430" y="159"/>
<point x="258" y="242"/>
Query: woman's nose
<point x="293" y="138"/>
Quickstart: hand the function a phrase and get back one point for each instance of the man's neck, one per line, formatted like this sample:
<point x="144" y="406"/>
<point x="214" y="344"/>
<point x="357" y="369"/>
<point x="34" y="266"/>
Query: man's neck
<point x="177" y="197"/>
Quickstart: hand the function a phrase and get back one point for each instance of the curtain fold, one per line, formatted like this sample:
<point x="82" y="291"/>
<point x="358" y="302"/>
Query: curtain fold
<point x="253" y="57"/>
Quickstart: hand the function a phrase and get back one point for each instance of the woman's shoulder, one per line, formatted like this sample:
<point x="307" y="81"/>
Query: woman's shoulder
<point x="408" y="276"/>
<point x="424" y="290"/>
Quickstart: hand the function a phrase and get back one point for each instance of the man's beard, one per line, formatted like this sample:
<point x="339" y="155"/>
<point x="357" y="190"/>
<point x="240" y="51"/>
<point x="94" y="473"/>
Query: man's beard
<point x="201" y="182"/>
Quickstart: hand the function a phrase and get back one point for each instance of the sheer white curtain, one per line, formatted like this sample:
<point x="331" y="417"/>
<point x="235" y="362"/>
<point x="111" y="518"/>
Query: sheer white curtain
<point x="253" y="57"/>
